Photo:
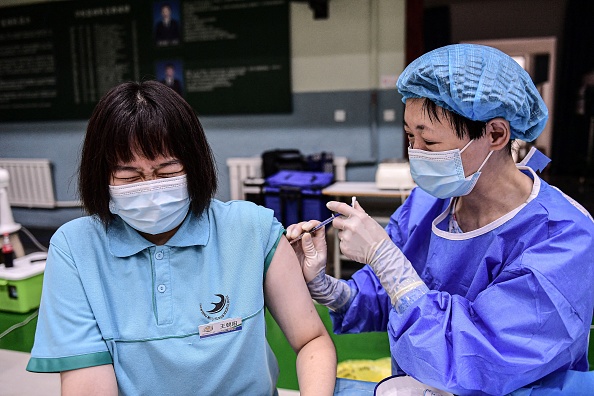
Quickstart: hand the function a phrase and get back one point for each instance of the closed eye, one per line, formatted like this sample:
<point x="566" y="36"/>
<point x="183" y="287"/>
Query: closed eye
<point x="169" y="174"/>
<point x="127" y="179"/>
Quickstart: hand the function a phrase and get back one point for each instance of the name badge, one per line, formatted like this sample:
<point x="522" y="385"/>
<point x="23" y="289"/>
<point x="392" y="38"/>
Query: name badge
<point x="223" y="326"/>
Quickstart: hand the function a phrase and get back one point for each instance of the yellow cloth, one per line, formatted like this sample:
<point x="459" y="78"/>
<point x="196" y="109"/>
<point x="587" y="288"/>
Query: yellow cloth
<point x="365" y="370"/>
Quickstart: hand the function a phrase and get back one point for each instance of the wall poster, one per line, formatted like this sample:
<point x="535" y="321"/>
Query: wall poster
<point x="223" y="56"/>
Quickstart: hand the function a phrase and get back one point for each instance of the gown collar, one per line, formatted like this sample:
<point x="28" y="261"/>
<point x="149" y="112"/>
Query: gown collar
<point x="494" y="224"/>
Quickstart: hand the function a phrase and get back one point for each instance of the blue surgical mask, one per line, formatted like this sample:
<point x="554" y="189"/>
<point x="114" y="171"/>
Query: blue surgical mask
<point x="153" y="206"/>
<point x="441" y="174"/>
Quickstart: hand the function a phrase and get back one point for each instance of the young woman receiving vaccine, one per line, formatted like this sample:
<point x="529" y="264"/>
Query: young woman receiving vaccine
<point x="162" y="289"/>
<point x="484" y="277"/>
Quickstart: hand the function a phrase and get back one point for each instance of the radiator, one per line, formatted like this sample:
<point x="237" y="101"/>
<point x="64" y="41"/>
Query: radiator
<point x="241" y="168"/>
<point x="30" y="183"/>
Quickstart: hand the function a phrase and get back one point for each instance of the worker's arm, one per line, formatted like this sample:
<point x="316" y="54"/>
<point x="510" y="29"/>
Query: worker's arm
<point x="90" y="381"/>
<point x="291" y="306"/>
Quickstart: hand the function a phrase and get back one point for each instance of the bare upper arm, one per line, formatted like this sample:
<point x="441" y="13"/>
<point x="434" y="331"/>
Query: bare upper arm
<point x="288" y="299"/>
<point x="91" y="381"/>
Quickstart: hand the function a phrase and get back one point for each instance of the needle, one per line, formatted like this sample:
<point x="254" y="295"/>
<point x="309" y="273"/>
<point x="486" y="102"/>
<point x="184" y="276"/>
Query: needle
<point x="322" y="224"/>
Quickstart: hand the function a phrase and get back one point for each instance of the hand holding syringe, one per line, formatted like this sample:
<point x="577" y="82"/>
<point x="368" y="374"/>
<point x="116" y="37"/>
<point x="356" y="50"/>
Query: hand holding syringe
<point x="322" y="224"/>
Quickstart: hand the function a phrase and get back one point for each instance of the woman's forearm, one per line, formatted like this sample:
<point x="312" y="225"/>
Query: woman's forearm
<point x="97" y="380"/>
<point x="316" y="367"/>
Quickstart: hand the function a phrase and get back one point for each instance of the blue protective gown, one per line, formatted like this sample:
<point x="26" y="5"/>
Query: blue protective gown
<point x="508" y="304"/>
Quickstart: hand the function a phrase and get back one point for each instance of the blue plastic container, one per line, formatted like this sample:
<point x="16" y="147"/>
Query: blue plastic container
<point x="297" y="195"/>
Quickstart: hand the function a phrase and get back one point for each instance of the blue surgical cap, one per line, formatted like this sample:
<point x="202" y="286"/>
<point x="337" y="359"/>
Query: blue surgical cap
<point x="479" y="83"/>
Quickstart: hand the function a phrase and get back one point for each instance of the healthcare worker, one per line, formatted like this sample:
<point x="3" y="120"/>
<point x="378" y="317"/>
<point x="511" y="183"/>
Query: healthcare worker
<point x="162" y="289"/>
<point x="484" y="277"/>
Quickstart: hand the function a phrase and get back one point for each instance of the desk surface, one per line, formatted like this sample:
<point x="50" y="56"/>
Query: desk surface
<point x="16" y="381"/>
<point x="362" y="189"/>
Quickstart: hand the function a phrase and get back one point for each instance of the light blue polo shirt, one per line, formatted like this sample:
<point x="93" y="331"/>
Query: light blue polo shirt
<point x="111" y="296"/>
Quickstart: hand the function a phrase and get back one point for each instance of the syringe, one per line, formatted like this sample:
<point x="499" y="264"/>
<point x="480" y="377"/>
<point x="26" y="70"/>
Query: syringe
<point x="322" y="224"/>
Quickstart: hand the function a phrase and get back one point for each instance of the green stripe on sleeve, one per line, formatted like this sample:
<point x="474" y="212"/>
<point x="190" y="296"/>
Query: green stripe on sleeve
<point x="56" y="365"/>
<point x="270" y="254"/>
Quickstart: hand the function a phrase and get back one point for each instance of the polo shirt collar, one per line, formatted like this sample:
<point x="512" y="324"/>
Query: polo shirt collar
<point x="125" y="241"/>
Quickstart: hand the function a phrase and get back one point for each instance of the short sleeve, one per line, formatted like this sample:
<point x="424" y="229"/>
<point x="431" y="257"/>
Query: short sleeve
<point x="272" y="238"/>
<point x="67" y="335"/>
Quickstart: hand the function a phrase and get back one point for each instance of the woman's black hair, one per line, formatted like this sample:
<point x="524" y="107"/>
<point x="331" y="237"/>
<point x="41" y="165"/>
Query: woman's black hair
<point x="462" y="126"/>
<point x="152" y="120"/>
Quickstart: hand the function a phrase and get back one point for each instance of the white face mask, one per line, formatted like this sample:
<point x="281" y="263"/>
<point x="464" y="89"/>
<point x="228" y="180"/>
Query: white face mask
<point x="441" y="174"/>
<point x="154" y="206"/>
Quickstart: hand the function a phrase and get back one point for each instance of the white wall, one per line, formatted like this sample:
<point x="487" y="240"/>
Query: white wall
<point x="361" y="41"/>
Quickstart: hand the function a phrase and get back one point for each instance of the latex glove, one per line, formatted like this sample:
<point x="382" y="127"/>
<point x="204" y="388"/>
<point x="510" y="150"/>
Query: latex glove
<point x="312" y="252"/>
<point x="331" y="292"/>
<point x="359" y="234"/>
<point x="397" y="276"/>
<point x="362" y="239"/>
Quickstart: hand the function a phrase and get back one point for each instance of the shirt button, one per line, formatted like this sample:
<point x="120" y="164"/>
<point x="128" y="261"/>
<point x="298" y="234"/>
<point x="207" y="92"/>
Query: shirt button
<point x="161" y="288"/>
<point x="159" y="255"/>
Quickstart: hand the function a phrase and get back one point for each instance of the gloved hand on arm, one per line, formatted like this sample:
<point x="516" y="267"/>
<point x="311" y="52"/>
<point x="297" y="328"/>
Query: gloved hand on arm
<point x="312" y="253"/>
<point x="362" y="239"/>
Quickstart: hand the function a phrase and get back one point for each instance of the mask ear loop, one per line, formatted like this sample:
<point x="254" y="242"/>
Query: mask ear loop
<point x="485" y="161"/>
<point x="467" y="144"/>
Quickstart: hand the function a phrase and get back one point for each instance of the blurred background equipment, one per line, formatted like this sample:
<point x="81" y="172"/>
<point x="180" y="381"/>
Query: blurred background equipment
<point x="394" y="175"/>
<point x="21" y="276"/>
<point x="7" y="224"/>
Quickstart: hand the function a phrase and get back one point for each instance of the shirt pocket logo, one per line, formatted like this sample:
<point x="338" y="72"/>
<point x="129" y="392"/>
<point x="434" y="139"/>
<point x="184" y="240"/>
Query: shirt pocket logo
<point x="219" y="307"/>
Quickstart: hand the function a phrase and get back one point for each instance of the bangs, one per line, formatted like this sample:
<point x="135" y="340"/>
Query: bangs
<point x="461" y="125"/>
<point x="142" y="131"/>
<point x="431" y="109"/>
